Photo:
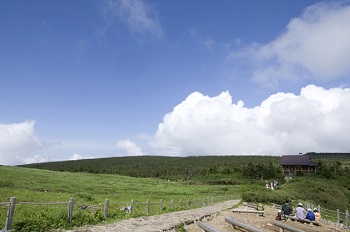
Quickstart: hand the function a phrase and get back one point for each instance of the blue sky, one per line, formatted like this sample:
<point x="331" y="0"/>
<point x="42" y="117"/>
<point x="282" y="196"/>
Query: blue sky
<point x="82" y="79"/>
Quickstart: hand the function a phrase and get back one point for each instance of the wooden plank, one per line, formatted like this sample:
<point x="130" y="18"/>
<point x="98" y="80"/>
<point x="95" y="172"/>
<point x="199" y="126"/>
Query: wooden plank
<point x="277" y="206"/>
<point x="252" y="205"/>
<point x="305" y="220"/>
<point x="242" y="225"/>
<point x="206" y="227"/>
<point x="287" y="227"/>
<point x="247" y="211"/>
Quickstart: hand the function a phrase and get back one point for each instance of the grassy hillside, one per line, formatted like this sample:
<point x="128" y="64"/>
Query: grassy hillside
<point x="34" y="185"/>
<point x="330" y="193"/>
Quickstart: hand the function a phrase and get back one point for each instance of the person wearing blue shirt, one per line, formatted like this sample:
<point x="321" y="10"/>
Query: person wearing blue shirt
<point x="310" y="215"/>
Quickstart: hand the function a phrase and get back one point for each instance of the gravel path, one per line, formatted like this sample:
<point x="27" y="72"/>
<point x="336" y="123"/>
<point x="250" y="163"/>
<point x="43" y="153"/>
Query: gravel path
<point x="164" y="222"/>
<point x="214" y="215"/>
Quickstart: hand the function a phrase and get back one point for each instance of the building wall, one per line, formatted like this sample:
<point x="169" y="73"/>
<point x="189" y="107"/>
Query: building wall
<point x="292" y="170"/>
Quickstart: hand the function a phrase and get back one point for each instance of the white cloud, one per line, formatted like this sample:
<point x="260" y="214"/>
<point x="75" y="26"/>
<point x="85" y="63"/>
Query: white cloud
<point x="285" y="123"/>
<point x="30" y="160"/>
<point x="139" y="17"/>
<point x="79" y="157"/>
<point x="17" y="142"/>
<point x="314" y="45"/>
<point x="130" y="147"/>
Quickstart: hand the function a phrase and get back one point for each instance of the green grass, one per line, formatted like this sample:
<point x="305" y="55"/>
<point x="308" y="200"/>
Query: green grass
<point x="329" y="193"/>
<point x="33" y="185"/>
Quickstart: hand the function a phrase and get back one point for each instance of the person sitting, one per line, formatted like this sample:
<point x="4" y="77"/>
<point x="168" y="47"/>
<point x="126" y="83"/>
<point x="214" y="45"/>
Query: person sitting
<point x="286" y="209"/>
<point x="317" y="215"/>
<point x="310" y="215"/>
<point x="300" y="212"/>
<point x="279" y="215"/>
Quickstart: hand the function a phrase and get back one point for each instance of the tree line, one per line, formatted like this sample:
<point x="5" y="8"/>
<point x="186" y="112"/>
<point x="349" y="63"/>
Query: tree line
<point x="194" y="167"/>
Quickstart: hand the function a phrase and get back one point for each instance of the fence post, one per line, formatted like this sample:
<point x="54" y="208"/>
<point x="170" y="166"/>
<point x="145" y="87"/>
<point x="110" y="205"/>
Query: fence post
<point x="319" y="208"/>
<point x="347" y="218"/>
<point x="70" y="210"/>
<point x="131" y="205"/>
<point x="188" y="202"/>
<point x="338" y="215"/>
<point x="148" y="205"/>
<point x="106" y="209"/>
<point x="161" y="204"/>
<point x="10" y="213"/>
<point x="180" y="203"/>
<point x="172" y="203"/>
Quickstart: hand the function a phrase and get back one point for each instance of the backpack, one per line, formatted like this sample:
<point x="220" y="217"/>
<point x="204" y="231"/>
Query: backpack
<point x="260" y="207"/>
<point x="279" y="215"/>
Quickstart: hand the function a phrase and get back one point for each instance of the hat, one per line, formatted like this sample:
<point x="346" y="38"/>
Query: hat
<point x="300" y="204"/>
<point x="308" y="209"/>
<point x="315" y="210"/>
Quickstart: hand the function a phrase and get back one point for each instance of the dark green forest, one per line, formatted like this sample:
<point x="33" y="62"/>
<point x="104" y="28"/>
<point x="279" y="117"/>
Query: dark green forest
<point x="173" y="168"/>
<point x="197" y="167"/>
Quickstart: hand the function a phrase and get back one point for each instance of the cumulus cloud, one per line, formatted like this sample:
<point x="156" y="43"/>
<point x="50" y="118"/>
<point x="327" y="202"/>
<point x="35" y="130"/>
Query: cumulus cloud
<point x="130" y="147"/>
<point x="285" y="123"/>
<point x="139" y="17"/>
<point x="17" y="142"/>
<point x="314" y="45"/>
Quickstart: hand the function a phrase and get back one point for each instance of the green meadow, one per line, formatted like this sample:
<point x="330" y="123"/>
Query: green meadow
<point x="34" y="185"/>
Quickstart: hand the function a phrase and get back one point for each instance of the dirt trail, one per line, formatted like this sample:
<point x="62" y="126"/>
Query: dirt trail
<point x="265" y="223"/>
<point x="214" y="215"/>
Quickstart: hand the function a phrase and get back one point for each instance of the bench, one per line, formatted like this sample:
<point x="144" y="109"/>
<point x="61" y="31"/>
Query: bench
<point x="250" y="205"/>
<point x="276" y="206"/>
<point x="287" y="227"/>
<point x="206" y="227"/>
<point x="261" y="213"/>
<point x="293" y="218"/>
<point x="242" y="225"/>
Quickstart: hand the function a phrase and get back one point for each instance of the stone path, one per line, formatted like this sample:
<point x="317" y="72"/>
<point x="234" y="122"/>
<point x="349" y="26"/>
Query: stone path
<point x="164" y="222"/>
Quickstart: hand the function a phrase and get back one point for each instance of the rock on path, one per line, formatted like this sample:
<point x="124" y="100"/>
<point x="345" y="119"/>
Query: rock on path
<point x="163" y="222"/>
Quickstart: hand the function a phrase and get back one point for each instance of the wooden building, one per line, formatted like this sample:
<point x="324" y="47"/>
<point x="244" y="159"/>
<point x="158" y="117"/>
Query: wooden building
<point x="293" y="164"/>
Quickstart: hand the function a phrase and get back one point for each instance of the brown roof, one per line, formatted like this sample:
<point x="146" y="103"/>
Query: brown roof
<point x="301" y="160"/>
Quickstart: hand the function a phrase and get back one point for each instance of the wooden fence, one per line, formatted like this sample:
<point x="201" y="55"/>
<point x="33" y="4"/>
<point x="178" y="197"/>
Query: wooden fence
<point x="335" y="218"/>
<point x="127" y="207"/>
